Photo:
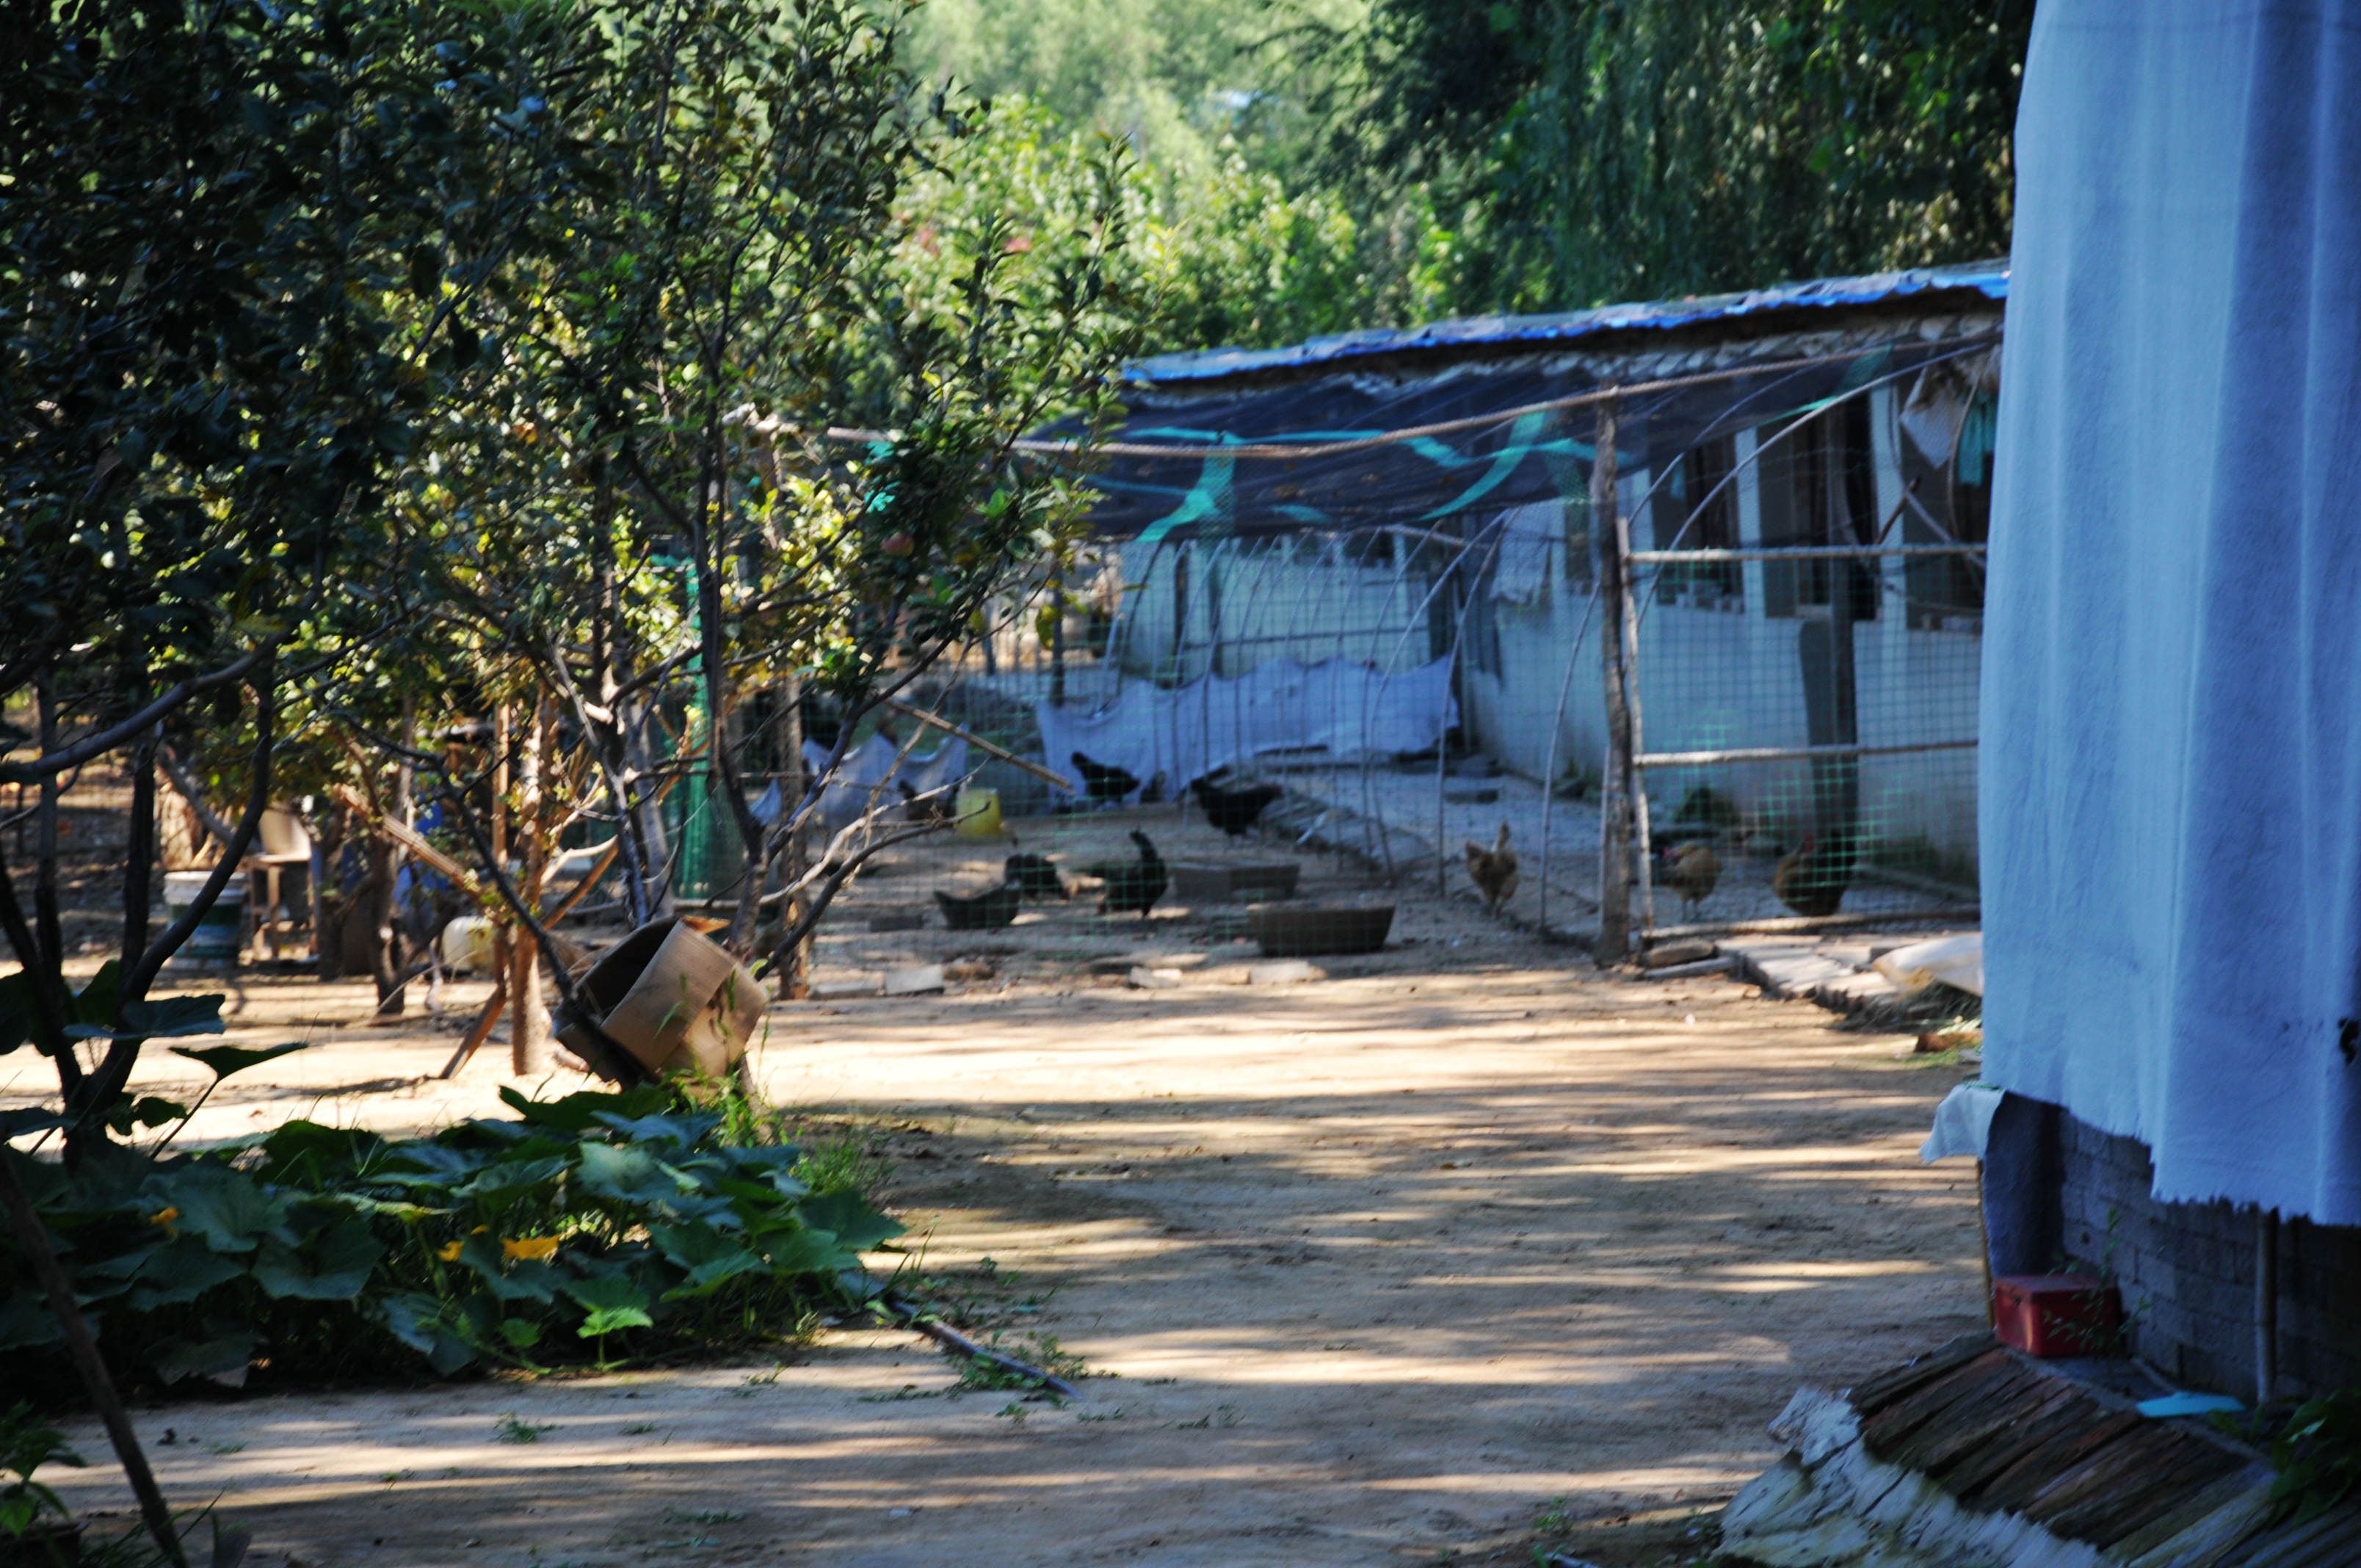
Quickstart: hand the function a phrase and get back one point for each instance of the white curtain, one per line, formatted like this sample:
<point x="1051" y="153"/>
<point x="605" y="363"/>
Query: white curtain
<point x="2171" y="719"/>
<point x="1339" y="705"/>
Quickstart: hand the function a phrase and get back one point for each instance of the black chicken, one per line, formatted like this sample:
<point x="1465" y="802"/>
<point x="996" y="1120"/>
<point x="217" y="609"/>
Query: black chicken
<point x="1100" y="782"/>
<point x="982" y="911"/>
<point x="1036" y="877"/>
<point x="1811" y="879"/>
<point x="1234" y="810"/>
<point x="1132" y="885"/>
<point x="933" y="807"/>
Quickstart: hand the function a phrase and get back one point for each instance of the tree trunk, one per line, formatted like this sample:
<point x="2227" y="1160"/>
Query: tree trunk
<point x="387" y="958"/>
<point x="794" y="983"/>
<point x="530" y="1054"/>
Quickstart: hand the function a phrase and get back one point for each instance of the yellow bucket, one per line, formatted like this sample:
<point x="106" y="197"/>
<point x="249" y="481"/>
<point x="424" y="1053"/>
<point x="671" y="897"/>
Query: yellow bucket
<point x="977" y="815"/>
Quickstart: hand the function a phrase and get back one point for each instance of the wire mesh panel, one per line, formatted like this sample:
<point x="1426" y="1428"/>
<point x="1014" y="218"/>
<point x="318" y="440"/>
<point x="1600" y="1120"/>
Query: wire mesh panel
<point x="1305" y="671"/>
<point x="1809" y="602"/>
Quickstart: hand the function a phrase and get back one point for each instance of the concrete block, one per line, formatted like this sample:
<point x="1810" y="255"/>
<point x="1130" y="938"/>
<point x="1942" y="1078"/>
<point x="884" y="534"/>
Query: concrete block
<point x="916" y="980"/>
<point x="1669" y="955"/>
<point x="844" y="989"/>
<point x="1281" y="971"/>
<point x="1142" y="978"/>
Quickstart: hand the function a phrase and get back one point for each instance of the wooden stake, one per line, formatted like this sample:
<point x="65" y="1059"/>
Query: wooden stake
<point x="480" y="1033"/>
<point x="35" y="1239"/>
<point x="1615" y="785"/>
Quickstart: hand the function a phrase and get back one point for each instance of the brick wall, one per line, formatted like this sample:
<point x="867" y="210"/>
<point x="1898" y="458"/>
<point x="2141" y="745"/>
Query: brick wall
<point x="2187" y="1272"/>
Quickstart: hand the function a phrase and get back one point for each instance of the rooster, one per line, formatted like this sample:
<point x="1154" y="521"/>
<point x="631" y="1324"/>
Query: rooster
<point x="1132" y="885"/>
<point x="1691" y="870"/>
<point x="1811" y="881"/>
<point x="1493" y="871"/>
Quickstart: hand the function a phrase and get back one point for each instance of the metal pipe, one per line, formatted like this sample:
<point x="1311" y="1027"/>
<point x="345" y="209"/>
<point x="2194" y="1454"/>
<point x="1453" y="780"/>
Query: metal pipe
<point x="1791" y="754"/>
<point x="1796" y="553"/>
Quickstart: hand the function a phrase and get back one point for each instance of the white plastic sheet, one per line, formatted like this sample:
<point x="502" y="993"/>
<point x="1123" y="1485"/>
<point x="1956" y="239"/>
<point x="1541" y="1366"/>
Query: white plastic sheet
<point x="872" y="763"/>
<point x="1520" y="569"/>
<point x="1952" y="960"/>
<point x="1341" y="706"/>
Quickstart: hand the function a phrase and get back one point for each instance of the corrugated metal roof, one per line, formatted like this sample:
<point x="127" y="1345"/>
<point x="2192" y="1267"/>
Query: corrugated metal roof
<point x="1988" y="278"/>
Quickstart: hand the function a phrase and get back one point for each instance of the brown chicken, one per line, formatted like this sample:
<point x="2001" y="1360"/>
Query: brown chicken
<point x="1692" y="870"/>
<point x="1808" y="880"/>
<point x="1493" y="871"/>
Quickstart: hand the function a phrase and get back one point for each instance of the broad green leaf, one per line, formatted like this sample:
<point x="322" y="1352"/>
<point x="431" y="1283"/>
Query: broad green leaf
<point x="709" y="1256"/>
<point x="521" y="1334"/>
<point x="25" y="1320"/>
<point x="523" y="1280"/>
<point x="607" y="1291"/>
<point x="686" y="1128"/>
<point x="95" y="1002"/>
<point x="16" y="1010"/>
<point x="223" y="1355"/>
<point x="180" y="1270"/>
<point x="510" y="1175"/>
<point x="307" y="1152"/>
<point x="226" y="1060"/>
<point x="228" y="1209"/>
<point x="630" y="1175"/>
<point x="147" y="1111"/>
<point x="850" y="1219"/>
<point x="419" y="1321"/>
<point x="577" y="1113"/>
<point x="166" y="1018"/>
<point x="710" y="1275"/>
<point x="364" y="1203"/>
<point x="806" y="1252"/>
<point x="610" y="1319"/>
<point x="31" y="1119"/>
<point x="334" y="1267"/>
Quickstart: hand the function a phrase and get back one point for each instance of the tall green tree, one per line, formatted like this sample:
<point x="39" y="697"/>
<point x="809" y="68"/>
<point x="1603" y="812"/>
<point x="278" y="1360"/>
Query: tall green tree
<point x="216" y="218"/>
<point x="660" y="516"/>
<point x="1649" y="149"/>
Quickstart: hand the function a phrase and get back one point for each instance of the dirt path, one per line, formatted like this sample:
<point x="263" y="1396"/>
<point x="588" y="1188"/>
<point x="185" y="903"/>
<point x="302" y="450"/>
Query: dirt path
<point x="1369" y="1270"/>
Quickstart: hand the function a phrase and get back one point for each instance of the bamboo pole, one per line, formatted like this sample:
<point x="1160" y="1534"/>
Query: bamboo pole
<point x="504" y="951"/>
<point x="1615" y="785"/>
<point x="979" y="742"/>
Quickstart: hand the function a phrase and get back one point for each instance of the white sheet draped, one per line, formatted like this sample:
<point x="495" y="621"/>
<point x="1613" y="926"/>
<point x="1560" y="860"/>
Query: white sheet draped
<point x="2171" y="718"/>
<point x="872" y="763"/>
<point x="1348" y="708"/>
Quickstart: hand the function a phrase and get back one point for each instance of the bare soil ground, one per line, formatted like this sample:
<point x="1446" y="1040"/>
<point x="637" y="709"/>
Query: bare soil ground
<point x="1376" y="1268"/>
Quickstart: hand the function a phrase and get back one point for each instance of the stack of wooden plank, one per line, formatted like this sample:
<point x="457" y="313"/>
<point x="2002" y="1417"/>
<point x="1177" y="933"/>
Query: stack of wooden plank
<point x="2030" y="1464"/>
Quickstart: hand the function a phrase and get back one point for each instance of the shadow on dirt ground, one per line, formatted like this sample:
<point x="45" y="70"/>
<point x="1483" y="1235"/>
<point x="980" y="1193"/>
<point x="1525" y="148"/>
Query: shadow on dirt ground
<point x="1369" y="1270"/>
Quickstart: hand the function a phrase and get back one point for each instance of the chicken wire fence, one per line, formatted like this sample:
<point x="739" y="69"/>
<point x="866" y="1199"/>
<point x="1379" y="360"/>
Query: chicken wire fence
<point x="1808" y="604"/>
<point x="1270" y="720"/>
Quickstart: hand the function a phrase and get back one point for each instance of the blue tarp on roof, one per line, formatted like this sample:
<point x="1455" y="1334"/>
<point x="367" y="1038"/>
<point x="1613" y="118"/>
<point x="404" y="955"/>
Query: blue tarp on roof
<point x="1570" y="328"/>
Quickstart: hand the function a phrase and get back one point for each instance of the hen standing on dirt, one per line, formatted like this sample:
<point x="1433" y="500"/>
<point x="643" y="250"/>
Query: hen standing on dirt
<point x="1692" y="870"/>
<point x="1135" y="886"/>
<point x="1493" y="871"/>
<point x="1102" y="782"/>
<point x="1035" y="875"/>
<point x="1810" y="881"/>
<point x="1234" y="810"/>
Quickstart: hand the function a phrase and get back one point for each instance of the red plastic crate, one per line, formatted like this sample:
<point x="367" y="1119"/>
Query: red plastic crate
<point x="2058" y="1314"/>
